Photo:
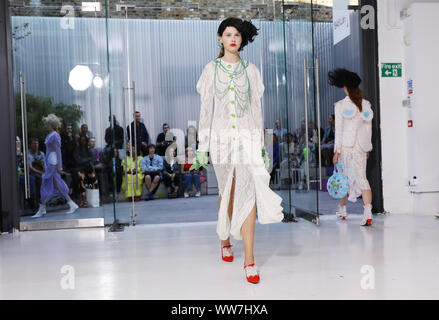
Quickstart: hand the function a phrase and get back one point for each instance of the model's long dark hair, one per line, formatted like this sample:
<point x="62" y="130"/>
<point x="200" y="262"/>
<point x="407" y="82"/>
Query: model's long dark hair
<point x="344" y="78"/>
<point x="246" y="28"/>
<point x="356" y="95"/>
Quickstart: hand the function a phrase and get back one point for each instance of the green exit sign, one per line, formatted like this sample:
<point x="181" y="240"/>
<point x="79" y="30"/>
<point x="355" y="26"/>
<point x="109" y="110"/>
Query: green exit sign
<point x="391" y="70"/>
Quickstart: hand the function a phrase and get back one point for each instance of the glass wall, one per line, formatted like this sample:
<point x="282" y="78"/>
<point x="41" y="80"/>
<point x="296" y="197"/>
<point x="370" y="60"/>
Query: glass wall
<point x="60" y="63"/>
<point x="96" y="65"/>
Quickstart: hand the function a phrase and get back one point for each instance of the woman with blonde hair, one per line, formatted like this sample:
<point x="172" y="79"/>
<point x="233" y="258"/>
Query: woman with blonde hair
<point x="52" y="184"/>
<point x="234" y="132"/>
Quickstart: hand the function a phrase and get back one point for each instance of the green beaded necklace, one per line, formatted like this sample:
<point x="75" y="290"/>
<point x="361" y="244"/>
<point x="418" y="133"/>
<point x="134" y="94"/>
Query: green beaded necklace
<point x="241" y="92"/>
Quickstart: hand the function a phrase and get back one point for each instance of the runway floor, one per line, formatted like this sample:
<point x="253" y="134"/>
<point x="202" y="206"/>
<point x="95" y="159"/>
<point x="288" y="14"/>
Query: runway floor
<point x="202" y="209"/>
<point x="399" y="257"/>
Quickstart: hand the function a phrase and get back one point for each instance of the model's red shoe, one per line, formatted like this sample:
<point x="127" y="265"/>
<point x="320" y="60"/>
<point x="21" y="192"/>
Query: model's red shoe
<point x="342" y="213"/>
<point x="367" y="216"/>
<point x="227" y="253"/>
<point x="251" y="273"/>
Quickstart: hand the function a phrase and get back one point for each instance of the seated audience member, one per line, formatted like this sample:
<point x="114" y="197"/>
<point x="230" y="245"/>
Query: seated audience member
<point x="286" y="148"/>
<point x="164" y="140"/>
<point x="142" y="135"/>
<point x="111" y="152"/>
<point x="171" y="173"/>
<point x="276" y="162"/>
<point x="94" y="150"/>
<point x="85" y="170"/>
<point x="85" y="132"/>
<point x="287" y="156"/>
<point x="118" y="135"/>
<point x="133" y="180"/>
<point x="190" y="177"/>
<point x="33" y="202"/>
<point x="152" y="166"/>
<point x="299" y="134"/>
<point x="328" y="142"/>
<point x="36" y="160"/>
<point x="191" y="138"/>
<point x="303" y="140"/>
<point x="99" y="167"/>
<point x="107" y="159"/>
<point x="279" y="132"/>
<point x="68" y="146"/>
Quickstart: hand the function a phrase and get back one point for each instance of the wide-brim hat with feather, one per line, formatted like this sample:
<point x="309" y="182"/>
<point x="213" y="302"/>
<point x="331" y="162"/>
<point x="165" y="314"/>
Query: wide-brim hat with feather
<point x="344" y="78"/>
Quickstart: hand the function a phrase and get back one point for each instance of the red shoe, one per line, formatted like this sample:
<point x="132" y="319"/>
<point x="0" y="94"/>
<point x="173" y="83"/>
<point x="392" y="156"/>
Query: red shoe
<point x="227" y="253"/>
<point x="367" y="216"/>
<point x="251" y="273"/>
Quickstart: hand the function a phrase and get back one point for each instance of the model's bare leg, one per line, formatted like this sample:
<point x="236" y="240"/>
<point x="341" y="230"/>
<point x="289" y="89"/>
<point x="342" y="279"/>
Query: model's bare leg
<point x="367" y="214"/>
<point x="230" y="208"/>
<point x="343" y="201"/>
<point x="341" y="211"/>
<point x="248" y="236"/>
<point x="367" y="197"/>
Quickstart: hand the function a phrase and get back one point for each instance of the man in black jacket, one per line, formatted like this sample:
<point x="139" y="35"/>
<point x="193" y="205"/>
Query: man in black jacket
<point x="142" y="135"/>
<point x="164" y="140"/>
<point x="118" y="135"/>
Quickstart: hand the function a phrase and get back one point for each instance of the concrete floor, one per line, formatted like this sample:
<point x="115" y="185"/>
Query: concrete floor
<point x="182" y="261"/>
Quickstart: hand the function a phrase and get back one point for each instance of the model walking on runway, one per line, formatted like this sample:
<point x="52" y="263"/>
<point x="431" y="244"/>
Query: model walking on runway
<point x="353" y="135"/>
<point x="233" y="134"/>
<point x="52" y="184"/>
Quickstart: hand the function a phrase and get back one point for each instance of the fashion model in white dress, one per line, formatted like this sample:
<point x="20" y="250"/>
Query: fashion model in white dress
<point x="353" y="153"/>
<point x="231" y="129"/>
<point x="353" y="135"/>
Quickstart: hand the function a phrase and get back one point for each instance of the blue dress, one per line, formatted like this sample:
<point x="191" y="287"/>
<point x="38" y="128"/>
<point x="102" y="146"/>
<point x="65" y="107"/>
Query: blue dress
<point x="52" y="184"/>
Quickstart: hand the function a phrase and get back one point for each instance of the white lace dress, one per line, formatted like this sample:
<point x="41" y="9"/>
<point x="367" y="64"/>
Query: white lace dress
<point x="235" y="141"/>
<point x="354" y="161"/>
<point x="353" y="158"/>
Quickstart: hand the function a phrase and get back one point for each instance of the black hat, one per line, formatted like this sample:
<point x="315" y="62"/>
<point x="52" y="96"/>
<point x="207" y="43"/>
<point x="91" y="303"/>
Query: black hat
<point x="344" y="78"/>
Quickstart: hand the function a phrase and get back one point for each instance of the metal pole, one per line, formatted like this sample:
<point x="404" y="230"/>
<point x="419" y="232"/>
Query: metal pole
<point x="306" y="124"/>
<point x="318" y="121"/>
<point x="133" y="214"/>
<point x="131" y="110"/>
<point x="24" y="140"/>
<point x="134" y="108"/>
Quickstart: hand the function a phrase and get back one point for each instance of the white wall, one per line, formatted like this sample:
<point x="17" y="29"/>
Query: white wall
<point x="397" y="196"/>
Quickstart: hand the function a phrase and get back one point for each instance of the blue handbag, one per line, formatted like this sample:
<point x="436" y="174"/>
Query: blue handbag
<point x="338" y="186"/>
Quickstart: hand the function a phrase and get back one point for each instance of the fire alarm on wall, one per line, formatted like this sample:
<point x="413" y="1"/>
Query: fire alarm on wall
<point x="410" y="123"/>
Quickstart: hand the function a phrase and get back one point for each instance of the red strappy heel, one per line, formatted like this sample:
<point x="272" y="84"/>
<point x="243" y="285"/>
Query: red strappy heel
<point x="251" y="273"/>
<point x="227" y="253"/>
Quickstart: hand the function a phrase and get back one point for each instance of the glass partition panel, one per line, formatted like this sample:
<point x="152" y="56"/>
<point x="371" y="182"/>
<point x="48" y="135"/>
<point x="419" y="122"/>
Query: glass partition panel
<point x="60" y="68"/>
<point x="299" y="165"/>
